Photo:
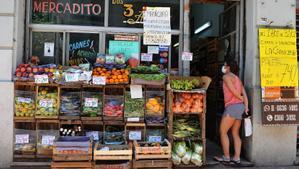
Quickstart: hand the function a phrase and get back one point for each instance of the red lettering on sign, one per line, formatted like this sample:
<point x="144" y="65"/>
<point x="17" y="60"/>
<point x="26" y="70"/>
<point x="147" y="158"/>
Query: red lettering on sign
<point x="67" y="7"/>
<point x="57" y="7"/>
<point x="52" y="7"/>
<point x="88" y="8"/>
<point x="45" y="6"/>
<point x="76" y="8"/>
<point x="37" y="7"/>
<point x="98" y="11"/>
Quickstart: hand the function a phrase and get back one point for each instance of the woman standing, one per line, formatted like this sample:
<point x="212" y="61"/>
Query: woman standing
<point x="236" y="103"/>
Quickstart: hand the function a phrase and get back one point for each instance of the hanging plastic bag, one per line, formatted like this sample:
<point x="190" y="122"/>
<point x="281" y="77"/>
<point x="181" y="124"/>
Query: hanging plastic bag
<point x="248" y="127"/>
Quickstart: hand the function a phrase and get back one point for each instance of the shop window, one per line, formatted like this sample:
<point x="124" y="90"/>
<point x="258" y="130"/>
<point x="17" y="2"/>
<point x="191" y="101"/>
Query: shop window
<point x="70" y="12"/>
<point x="83" y="48"/>
<point x="47" y="46"/>
<point x="128" y="13"/>
<point x="127" y="44"/>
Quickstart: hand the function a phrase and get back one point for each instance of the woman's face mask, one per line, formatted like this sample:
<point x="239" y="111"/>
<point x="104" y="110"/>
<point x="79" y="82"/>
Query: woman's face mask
<point x="223" y="69"/>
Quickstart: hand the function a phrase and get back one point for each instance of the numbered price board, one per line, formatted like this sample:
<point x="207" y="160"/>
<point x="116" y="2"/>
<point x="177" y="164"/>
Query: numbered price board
<point x="91" y="102"/>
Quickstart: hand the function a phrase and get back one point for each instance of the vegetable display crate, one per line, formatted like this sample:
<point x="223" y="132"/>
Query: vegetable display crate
<point x="145" y="150"/>
<point x="113" y="109"/>
<point x="47" y="133"/>
<point x="47" y="101"/>
<point x="72" y="165"/>
<point x="159" y="164"/>
<point x="24" y="140"/>
<point x="70" y="103"/>
<point x="134" y="108"/>
<point x="92" y="104"/>
<point x="72" y="149"/>
<point x="24" y="101"/>
<point x="155" y="101"/>
<point x="113" y="165"/>
<point x="135" y="131"/>
<point x="112" y="152"/>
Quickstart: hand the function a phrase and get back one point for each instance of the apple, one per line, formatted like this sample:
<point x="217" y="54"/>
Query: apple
<point x="19" y="74"/>
<point x="41" y="70"/>
<point x="23" y="69"/>
<point x="26" y="65"/>
<point x="18" y="69"/>
<point x="25" y="75"/>
<point x="35" y="70"/>
<point x="31" y="75"/>
<point x="29" y="69"/>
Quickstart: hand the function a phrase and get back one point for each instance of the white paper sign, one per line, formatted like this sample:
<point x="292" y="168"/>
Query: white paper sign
<point x="155" y="139"/>
<point x="91" y="102"/>
<point x="24" y="100"/>
<point x="187" y="56"/>
<point x="147" y="57"/>
<point x="151" y="38"/>
<point x="93" y="134"/>
<point x="49" y="49"/>
<point x="71" y="77"/>
<point x="22" y="138"/>
<point x="133" y="119"/>
<point x="153" y="49"/>
<point x="99" y="80"/>
<point x="46" y="103"/>
<point x="48" y="140"/>
<point x="156" y="19"/>
<point x="136" y="91"/>
<point x="134" y="135"/>
<point x="41" y="79"/>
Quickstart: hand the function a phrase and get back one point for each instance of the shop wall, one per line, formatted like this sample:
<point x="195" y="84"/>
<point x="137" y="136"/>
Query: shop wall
<point x="203" y="13"/>
<point x="269" y="146"/>
<point x="12" y="14"/>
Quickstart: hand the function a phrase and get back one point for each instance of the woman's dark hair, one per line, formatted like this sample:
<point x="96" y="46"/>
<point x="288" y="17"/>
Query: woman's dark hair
<point x="234" y="68"/>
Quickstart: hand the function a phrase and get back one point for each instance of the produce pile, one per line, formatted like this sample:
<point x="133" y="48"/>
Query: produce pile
<point x="187" y="103"/>
<point x="113" y="76"/>
<point x="185" y="84"/>
<point x="155" y="105"/>
<point x="27" y="71"/>
<point x="92" y="104"/>
<point x="187" y="154"/>
<point x="149" y="77"/>
<point x="133" y="107"/>
<point x="114" y="107"/>
<point x="153" y="69"/>
<point x="113" y="135"/>
<point x="24" y="104"/>
<point x="185" y="127"/>
<point x="70" y="103"/>
<point x="47" y="104"/>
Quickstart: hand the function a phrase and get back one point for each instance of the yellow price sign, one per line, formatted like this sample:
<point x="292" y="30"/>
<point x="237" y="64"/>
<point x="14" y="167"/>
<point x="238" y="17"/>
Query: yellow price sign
<point x="278" y="57"/>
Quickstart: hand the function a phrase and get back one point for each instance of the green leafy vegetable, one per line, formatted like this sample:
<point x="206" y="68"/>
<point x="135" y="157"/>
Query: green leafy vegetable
<point x="149" y="77"/>
<point x="185" y="84"/>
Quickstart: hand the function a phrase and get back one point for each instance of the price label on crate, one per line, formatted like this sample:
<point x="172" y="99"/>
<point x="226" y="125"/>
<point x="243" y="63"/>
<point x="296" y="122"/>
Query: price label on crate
<point x="99" y="80"/>
<point x="48" y="140"/>
<point x="71" y="77"/>
<point x="41" y="79"/>
<point x="91" y="102"/>
<point x="134" y="135"/>
<point x="93" y="134"/>
<point x="154" y="139"/>
<point x="22" y="138"/>
<point x="24" y="100"/>
<point x="46" y="103"/>
<point x="133" y="119"/>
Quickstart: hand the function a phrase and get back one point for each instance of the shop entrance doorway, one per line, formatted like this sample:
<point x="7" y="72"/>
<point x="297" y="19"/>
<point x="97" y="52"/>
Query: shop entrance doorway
<point x="216" y="34"/>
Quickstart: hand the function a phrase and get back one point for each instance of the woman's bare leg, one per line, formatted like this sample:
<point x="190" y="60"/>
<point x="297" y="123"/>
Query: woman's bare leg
<point x="226" y="123"/>
<point x="237" y="139"/>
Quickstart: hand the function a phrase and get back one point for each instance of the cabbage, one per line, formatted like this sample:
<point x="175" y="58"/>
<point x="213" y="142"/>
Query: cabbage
<point x="180" y="149"/>
<point x="175" y="159"/>
<point x="197" y="148"/>
<point x="196" y="159"/>
<point x="187" y="157"/>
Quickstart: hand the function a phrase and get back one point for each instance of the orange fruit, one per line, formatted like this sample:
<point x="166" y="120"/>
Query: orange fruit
<point x="119" y="76"/>
<point x="121" y="80"/>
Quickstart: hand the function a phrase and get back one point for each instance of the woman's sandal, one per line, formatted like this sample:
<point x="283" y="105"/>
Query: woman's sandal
<point x="235" y="163"/>
<point x="222" y="159"/>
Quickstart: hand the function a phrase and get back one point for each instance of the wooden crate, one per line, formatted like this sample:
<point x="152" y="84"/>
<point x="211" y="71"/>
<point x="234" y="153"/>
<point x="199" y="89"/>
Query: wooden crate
<point x="145" y="152"/>
<point x="114" y="165"/>
<point x="74" y="156"/>
<point x="131" y="127"/>
<point x="160" y="164"/>
<point x="62" y="165"/>
<point x="113" y="154"/>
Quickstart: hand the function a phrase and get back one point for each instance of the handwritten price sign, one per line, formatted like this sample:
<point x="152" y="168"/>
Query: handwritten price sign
<point x="22" y="138"/>
<point x="40" y="79"/>
<point x="48" y="140"/>
<point x="71" y="77"/>
<point x="278" y="57"/>
<point x="46" y="103"/>
<point x="135" y="135"/>
<point x="155" y="139"/>
<point x="100" y="80"/>
<point x="91" y="102"/>
<point x="24" y="100"/>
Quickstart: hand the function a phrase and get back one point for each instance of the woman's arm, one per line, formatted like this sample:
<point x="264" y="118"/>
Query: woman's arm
<point x="245" y="99"/>
<point x="227" y="80"/>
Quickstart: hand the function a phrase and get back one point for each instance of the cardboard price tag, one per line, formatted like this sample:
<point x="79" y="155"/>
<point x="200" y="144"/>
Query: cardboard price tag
<point x="133" y="119"/>
<point x="24" y="100"/>
<point x="48" y="140"/>
<point x="71" y="77"/>
<point x="93" y="134"/>
<point x="99" y="80"/>
<point x="46" y="103"/>
<point x="40" y="79"/>
<point x="135" y="135"/>
<point x="22" y="138"/>
<point x="155" y="139"/>
<point x="187" y="56"/>
<point x="146" y="57"/>
<point x="136" y="91"/>
<point x="91" y="102"/>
